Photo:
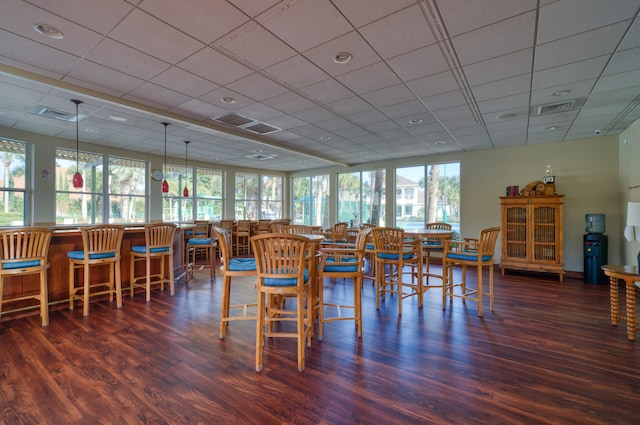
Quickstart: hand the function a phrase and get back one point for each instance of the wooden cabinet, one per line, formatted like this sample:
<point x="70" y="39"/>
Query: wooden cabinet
<point x="532" y="233"/>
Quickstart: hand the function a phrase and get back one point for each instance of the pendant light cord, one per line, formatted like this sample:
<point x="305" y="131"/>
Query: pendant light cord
<point x="165" y="150"/>
<point x="77" y="102"/>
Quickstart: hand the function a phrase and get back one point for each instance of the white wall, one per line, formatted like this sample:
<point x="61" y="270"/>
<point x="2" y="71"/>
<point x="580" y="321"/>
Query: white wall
<point x="629" y="187"/>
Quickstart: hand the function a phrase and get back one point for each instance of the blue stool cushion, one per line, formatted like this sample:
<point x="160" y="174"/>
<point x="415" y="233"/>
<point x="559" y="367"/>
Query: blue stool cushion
<point x="369" y="247"/>
<point x="407" y="256"/>
<point x="345" y="268"/>
<point x="431" y="244"/>
<point x="470" y="256"/>
<point x="242" y="264"/>
<point x="22" y="264"/>
<point x="199" y="241"/>
<point x="143" y="249"/>
<point x="285" y="281"/>
<point x="79" y="255"/>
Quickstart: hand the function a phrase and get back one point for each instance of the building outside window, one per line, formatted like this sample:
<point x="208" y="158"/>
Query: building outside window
<point x="428" y="193"/>
<point x="361" y="197"/>
<point x="13" y="173"/>
<point x="310" y="199"/>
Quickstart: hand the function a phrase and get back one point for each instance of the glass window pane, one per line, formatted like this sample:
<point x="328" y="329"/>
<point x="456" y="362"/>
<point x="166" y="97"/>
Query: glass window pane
<point x="301" y="200"/>
<point x="410" y="201"/>
<point x="349" y="202"/>
<point x="271" y="205"/>
<point x="127" y="184"/>
<point x="78" y="208"/>
<point x="246" y="196"/>
<point x="13" y="173"/>
<point x="12" y="207"/>
<point x="373" y="197"/>
<point x="83" y="205"/>
<point x="209" y="204"/>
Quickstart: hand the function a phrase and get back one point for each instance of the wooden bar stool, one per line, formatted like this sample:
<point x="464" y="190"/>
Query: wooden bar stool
<point x="200" y="243"/>
<point x="158" y="246"/>
<point x="24" y="251"/>
<point x="242" y="235"/>
<point x="232" y="266"/>
<point x="101" y="247"/>
<point x="280" y="264"/>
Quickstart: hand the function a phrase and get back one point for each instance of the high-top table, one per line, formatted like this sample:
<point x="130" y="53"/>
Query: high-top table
<point x="629" y="274"/>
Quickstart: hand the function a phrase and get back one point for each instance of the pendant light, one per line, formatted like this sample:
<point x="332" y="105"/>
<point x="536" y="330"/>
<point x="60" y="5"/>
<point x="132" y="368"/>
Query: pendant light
<point x="165" y="184"/>
<point x="77" y="177"/>
<point x="185" y="191"/>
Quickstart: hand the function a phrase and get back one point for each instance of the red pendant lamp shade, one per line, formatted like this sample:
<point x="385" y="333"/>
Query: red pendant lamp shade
<point x="77" y="177"/>
<point x="185" y="191"/>
<point x="165" y="183"/>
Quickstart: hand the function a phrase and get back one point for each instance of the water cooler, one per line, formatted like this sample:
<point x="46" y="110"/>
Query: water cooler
<point x="596" y="248"/>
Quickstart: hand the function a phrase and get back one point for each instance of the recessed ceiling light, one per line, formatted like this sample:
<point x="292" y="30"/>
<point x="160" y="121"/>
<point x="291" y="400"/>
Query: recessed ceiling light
<point x="117" y="118"/>
<point x="342" y="57"/>
<point x="561" y="93"/>
<point x="440" y="142"/>
<point x="228" y="99"/>
<point x="415" y="121"/>
<point x="48" y="31"/>
<point x="553" y="127"/>
<point x="364" y="153"/>
<point x="91" y="130"/>
<point x="325" y="138"/>
<point x="505" y="116"/>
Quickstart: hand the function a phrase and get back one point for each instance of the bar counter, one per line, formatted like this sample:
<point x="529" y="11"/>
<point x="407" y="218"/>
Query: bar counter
<point x="70" y="239"/>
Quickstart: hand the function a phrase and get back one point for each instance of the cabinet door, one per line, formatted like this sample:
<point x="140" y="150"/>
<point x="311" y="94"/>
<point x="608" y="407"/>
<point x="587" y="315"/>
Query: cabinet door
<point x="545" y="227"/>
<point x="516" y="232"/>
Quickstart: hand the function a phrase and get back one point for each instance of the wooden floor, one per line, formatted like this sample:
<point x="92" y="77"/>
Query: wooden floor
<point x="547" y="355"/>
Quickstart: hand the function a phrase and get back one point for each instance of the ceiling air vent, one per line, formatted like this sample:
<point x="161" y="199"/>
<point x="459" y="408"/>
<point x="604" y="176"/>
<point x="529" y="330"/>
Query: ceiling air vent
<point x="259" y="156"/>
<point x="234" y="119"/>
<point x="53" y="113"/>
<point x="261" y="128"/>
<point x="552" y="108"/>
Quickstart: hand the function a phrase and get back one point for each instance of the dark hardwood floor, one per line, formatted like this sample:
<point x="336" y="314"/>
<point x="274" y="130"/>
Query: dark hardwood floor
<point x="547" y="355"/>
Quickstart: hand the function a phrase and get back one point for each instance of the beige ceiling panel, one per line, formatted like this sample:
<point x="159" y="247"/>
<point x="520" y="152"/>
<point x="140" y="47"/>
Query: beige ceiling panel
<point x="385" y="38"/>
<point x="204" y="20"/>
<point x="118" y="56"/>
<point x="420" y="63"/>
<point x="353" y="43"/>
<point x="297" y="72"/>
<point x="255" y="45"/>
<point x="463" y="16"/>
<point x="214" y="66"/>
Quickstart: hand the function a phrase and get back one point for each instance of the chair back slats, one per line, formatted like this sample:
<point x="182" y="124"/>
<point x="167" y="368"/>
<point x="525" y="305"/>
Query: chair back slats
<point x="224" y="245"/>
<point x="280" y="255"/>
<point x="297" y="229"/>
<point x="487" y="241"/>
<point x="201" y="229"/>
<point x="243" y="226"/>
<point x="102" y="238"/>
<point x="388" y="239"/>
<point x="226" y="224"/>
<point x="25" y="243"/>
<point x="159" y="235"/>
<point x="339" y="233"/>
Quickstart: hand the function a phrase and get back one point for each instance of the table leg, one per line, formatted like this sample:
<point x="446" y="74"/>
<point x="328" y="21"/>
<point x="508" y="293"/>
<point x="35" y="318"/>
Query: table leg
<point x="613" y="295"/>
<point x="631" y="309"/>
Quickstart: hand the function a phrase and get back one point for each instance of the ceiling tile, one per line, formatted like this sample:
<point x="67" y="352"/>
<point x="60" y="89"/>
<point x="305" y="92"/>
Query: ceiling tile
<point x="255" y="45"/>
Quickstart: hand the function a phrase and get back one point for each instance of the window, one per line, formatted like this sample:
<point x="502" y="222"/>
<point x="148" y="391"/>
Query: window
<point x="361" y="197"/>
<point x="13" y="184"/>
<point x="271" y="199"/>
<point x="127" y="198"/>
<point x="83" y="205"/>
<point x="310" y="200"/>
<point x="246" y="196"/>
<point x="175" y="206"/>
<point x="209" y="202"/>
<point x="435" y="194"/>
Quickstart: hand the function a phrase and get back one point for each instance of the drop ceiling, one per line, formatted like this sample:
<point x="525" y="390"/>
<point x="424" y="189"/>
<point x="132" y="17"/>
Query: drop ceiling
<point x="424" y="77"/>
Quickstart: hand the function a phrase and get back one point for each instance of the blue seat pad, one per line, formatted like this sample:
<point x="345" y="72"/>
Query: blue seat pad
<point x="385" y="256"/>
<point x="467" y="256"/>
<point x="242" y="264"/>
<point x="79" y="255"/>
<point x="341" y="267"/>
<point x="431" y="243"/>
<point x="21" y="264"/>
<point x="199" y="241"/>
<point x="285" y="281"/>
<point x="143" y="249"/>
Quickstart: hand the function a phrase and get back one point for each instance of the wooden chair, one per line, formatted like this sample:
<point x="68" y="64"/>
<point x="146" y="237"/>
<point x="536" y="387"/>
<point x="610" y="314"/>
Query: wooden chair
<point x="242" y="234"/>
<point x="277" y="226"/>
<point x="24" y="251"/>
<point x="394" y="252"/>
<point x="227" y="224"/>
<point x="432" y="246"/>
<point x="232" y="266"/>
<point x="476" y="253"/>
<point x="158" y="246"/>
<point x="264" y="226"/>
<point x="297" y="229"/>
<point x="101" y="247"/>
<point x="201" y="243"/>
<point x="337" y="234"/>
<point x="280" y="264"/>
<point x="345" y="263"/>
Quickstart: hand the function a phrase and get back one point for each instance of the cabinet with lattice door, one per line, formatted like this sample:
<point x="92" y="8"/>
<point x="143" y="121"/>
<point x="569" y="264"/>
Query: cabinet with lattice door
<point x="532" y="233"/>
